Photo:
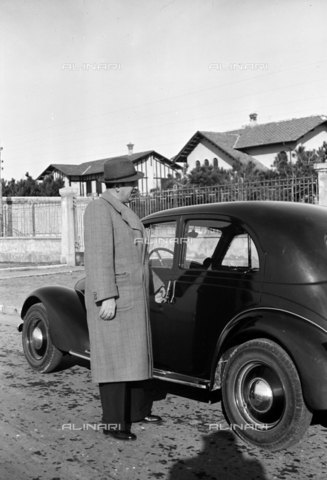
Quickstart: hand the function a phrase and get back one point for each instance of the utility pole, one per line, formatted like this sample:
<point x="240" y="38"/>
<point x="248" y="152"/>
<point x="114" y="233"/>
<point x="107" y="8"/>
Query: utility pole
<point x="1" y="209"/>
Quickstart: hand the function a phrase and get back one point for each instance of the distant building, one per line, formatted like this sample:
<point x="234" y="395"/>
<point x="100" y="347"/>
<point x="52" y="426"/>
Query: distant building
<point x="259" y="143"/>
<point x="86" y="176"/>
<point x="216" y="149"/>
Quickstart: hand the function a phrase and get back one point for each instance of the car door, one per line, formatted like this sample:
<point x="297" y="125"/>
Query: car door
<point x="163" y="237"/>
<point x="214" y="275"/>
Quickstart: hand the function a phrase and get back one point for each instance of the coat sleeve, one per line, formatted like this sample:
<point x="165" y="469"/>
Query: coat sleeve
<point x="99" y="251"/>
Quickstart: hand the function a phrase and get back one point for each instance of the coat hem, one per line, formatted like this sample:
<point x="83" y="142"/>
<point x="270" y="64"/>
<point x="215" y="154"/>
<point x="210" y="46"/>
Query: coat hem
<point x="123" y="380"/>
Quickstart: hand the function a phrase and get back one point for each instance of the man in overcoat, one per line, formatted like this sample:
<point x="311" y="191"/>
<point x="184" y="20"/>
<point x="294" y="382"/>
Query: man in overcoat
<point x="118" y="282"/>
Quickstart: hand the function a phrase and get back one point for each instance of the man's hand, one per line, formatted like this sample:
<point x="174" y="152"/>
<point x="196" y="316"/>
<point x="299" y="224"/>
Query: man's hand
<point x="108" y="309"/>
<point x="160" y="295"/>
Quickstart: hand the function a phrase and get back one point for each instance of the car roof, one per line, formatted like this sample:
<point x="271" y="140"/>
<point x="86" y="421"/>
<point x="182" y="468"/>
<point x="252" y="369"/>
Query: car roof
<point x="240" y="208"/>
<point x="255" y="214"/>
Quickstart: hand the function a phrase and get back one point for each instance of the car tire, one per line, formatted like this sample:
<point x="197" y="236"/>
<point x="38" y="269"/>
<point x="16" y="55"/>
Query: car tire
<point x="39" y="351"/>
<point x="262" y="396"/>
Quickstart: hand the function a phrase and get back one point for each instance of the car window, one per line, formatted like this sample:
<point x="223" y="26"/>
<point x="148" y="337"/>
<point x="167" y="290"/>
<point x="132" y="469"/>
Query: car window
<point x="201" y="238"/>
<point x="161" y="242"/>
<point x="241" y="253"/>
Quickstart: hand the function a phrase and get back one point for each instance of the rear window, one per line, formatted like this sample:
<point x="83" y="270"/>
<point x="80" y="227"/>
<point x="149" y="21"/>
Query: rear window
<point x="241" y="253"/>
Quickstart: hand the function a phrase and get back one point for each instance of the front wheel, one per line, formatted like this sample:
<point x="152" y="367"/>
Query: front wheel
<point x="39" y="351"/>
<point x="262" y="396"/>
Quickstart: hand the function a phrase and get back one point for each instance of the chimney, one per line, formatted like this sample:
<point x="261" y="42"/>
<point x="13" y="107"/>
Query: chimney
<point x="130" y="148"/>
<point x="253" y="119"/>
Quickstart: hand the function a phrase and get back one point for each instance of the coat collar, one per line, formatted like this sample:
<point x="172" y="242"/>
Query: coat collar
<point x="126" y="213"/>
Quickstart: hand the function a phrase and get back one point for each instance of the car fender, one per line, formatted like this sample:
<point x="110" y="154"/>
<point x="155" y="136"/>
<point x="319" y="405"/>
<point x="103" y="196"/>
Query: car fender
<point x="67" y="316"/>
<point x="301" y="338"/>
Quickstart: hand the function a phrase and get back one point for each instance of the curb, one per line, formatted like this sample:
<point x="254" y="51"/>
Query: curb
<point x="39" y="274"/>
<point x="9" y="310"/>
<point x="40" y="267"/>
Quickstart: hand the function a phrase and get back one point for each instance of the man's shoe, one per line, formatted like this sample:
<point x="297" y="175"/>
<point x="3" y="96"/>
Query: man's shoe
<point x="152" y="419"/>
<point x="120" y="434"/>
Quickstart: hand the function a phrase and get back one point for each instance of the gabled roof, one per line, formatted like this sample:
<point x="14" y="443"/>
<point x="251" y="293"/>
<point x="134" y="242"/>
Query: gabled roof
<point x="64" y="168"/>
<point x="224" y="142"/>
<point x="275" y="132"/>
<point x="96" y="166"/>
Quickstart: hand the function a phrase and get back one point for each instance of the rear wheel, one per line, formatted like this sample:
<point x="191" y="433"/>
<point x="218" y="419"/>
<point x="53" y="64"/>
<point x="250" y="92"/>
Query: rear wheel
<point x="262" y="396"/>
<point x="39" y="351"/>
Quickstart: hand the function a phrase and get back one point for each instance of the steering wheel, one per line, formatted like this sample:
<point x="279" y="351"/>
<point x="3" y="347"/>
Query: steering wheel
<point x="156" y="250"/>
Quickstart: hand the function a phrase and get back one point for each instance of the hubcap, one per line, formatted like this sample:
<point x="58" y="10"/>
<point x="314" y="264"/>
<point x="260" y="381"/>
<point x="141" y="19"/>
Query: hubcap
<point x="37" y="338"/>
<point x="259" y="395"/>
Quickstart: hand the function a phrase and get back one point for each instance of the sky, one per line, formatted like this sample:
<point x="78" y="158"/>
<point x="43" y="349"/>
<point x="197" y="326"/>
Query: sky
<point x="80" y="79"/>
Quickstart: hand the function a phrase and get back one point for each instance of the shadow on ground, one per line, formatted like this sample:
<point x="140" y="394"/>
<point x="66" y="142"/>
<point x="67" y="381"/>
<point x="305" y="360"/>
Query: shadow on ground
<point x="221" y="458"/>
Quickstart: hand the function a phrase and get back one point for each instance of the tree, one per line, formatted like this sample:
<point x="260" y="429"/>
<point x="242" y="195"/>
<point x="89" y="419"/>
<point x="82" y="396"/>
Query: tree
<point x="302" y="164"/>
<point x="247" y="172"/>
<point x="50" y="187"/>
<point x="28" y="187"/>
<point x="181" y="180"/>
<point x="322" y="153"/>
<point x="282" y="165"/>
<point x="206" y="176"/>
<point x="240" y="172"/>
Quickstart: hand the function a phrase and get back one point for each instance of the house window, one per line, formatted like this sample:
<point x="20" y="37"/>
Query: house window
<point x="197" y="164"/>
<point x="206" y="163"/>
<point x="215" y="162"/>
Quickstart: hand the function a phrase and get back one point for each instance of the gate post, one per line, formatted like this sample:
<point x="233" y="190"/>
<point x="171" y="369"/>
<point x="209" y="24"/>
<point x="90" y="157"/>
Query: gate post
<point x="68" y="197"/>
<point x="321" y="169"/>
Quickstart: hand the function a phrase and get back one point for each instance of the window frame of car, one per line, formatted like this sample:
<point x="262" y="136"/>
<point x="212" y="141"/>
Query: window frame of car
<point x="236" y="227"/>
<point x="187" y="223"/>
<point x="238" y="268"/>
<point x="161" y="220"/>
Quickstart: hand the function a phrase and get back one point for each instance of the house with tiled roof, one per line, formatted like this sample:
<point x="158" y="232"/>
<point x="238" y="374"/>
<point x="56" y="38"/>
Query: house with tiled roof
<point x="212" y="148"/>
<point x="259" y="143"/>
<point x="265" y="141"/>
<point x="85" y="177"/>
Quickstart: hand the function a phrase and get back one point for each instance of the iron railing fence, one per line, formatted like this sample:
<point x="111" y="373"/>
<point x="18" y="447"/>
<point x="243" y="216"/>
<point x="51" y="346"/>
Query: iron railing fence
<point x="290" y="190"/>
<point x="31" y="218"/>
<point x="27" y="216"/>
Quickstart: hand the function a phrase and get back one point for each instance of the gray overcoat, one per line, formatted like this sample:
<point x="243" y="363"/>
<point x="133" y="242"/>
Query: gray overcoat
<point x="116" y="265"/>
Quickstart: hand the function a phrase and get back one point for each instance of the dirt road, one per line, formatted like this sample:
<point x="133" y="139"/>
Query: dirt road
<point x="16" y="284"/>
<point x="47" y="427"/>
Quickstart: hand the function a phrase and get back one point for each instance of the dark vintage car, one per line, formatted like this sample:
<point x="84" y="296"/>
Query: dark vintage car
<point x="245" y="312"/>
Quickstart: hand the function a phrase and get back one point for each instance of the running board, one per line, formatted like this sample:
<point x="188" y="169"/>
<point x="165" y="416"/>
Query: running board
<point x="163" y="375"/>
<point x="85" y="356"/>
<point x="182" y="379"/>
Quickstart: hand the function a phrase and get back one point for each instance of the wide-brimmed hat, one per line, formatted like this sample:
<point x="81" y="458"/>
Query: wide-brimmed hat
<point x="120" y="170"/>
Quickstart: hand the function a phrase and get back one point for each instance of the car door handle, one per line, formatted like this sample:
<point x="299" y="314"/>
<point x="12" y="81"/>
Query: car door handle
<point x="168" y="292"/>
<point x="172" y="299"/>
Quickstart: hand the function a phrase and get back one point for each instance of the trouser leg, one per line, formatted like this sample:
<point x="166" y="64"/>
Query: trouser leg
<point x="141" y="401"/>
<point x="124" y="403"/>
<point x="115" y="401"/>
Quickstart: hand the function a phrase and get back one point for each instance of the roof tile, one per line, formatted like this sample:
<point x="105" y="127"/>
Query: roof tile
<point x="276" y="132"/>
